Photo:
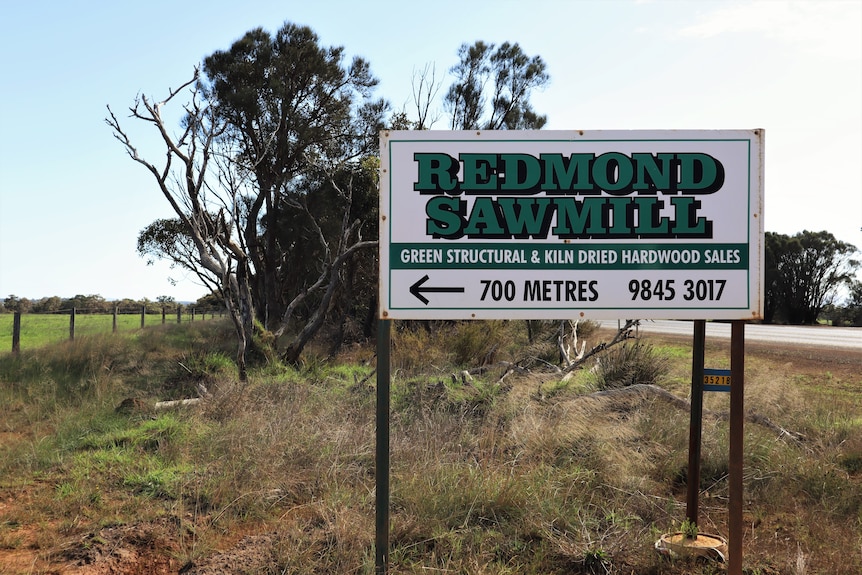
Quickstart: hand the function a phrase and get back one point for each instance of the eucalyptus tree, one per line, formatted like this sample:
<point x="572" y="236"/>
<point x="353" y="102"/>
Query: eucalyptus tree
<point x="167" y="239"/>
<point x="293" y="111"/>
<point x="804" y="273"/>
<point x="492" y="88"/>
<point x="271" y="125"/>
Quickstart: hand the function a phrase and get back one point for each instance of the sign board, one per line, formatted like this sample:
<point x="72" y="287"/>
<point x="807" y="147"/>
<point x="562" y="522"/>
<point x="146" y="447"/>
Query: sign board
<point x="716" y="379"/>
<point x="580" y="224"/>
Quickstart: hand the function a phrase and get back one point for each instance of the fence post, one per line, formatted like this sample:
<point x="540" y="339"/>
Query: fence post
<point x="16" y="333"/>
<point x="193" y="314"/>
<point x="143" y="315"/>
<point x="72" y="324"/>
<point x="116" y="311"/>
<point x="163" y="315"/>
<point x="179" y="314"/>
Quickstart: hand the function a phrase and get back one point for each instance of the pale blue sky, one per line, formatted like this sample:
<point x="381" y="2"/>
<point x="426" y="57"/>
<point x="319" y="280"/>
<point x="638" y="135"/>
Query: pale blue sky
<point x="72" y="203"/>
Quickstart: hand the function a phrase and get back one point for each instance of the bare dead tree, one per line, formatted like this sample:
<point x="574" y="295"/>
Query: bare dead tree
<point x="624" y="333"/>
<point x="425" y="88"/>
<point x="567" y="343"/>
<point x="210" y="191"/>
<point x="192" y="179"/>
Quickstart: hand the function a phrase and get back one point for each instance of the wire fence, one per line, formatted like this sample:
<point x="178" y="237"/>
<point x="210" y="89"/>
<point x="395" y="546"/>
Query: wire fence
<point x="39" y="328"/>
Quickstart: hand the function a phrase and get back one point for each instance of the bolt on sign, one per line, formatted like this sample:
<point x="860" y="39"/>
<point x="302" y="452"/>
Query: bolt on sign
<point x="559" y="224"/>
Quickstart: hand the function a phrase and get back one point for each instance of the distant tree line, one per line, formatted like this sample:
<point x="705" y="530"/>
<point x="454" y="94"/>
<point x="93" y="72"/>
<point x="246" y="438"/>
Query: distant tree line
<point x="98" y="304"/>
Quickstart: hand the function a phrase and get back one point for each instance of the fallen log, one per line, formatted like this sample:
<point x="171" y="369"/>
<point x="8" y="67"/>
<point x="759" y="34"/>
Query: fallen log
<point x="177" y="403"/>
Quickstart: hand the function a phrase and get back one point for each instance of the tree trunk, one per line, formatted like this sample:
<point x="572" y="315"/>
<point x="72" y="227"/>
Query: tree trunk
<point x="294" y="349"/>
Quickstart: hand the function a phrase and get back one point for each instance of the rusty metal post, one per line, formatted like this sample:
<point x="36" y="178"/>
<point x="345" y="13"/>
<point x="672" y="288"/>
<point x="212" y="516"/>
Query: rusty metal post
<point x="695" y="429"/>
<point x="737" y="436"/>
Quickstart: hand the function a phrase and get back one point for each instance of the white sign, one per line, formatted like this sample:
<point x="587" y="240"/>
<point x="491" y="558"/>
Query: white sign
<point x="557" y="224"/>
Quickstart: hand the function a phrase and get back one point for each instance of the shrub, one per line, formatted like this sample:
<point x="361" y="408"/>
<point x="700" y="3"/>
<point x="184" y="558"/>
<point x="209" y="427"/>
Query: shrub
<point x="476" y="343"/>
<point x="629" y="364"/>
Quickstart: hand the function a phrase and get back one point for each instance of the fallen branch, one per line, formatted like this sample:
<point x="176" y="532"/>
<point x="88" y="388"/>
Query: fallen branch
<point x="362" y="381"/>
<point x="177" y="403"/>
<point x="623" y="334"/>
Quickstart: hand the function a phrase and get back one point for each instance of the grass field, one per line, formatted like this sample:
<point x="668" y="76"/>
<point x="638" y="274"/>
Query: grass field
<point x="516" y="475"/>
<point x="38" y="330"/>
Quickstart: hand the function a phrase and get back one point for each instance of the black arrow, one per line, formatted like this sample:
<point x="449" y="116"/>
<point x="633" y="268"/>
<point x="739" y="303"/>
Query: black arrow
<point x="417" y="289"/>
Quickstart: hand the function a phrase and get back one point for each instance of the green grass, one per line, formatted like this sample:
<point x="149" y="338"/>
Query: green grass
<point x="38" y="330"/>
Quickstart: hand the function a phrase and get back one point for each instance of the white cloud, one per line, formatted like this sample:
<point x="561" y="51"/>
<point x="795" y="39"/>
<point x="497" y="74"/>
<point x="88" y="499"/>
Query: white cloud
<point x="826" y="28"/>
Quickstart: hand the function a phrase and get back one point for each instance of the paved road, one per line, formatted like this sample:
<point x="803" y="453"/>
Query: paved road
<point x="822" y="336"/>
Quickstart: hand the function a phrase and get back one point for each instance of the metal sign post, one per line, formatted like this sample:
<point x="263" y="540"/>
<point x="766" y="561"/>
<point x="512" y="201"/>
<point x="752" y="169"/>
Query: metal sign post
<point x="381" y="468"/>
<point x="696" y="426"/>
<point x="737" y="417"/>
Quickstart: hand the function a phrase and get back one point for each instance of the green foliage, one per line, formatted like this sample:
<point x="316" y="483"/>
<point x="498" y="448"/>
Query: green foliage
<point x="158" y="482"/>
<point x="287" y="89"/>
<point x="92" y="303"/>
<point x="14" y="303"/>
<point x="509" y="73"/>
<point x="689" y="529"/>
<point x="203" y="366"/>
<point x="211" y="301"/>
<point x="149" y="435"/>
<point x="48" y="305"/>
<point x="170" y="239"/>
<point x="848" y="312"/>
<point x="803" y="273"/>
